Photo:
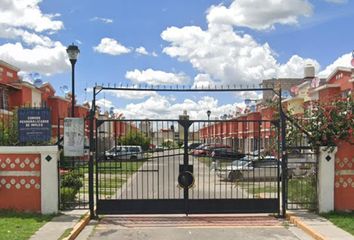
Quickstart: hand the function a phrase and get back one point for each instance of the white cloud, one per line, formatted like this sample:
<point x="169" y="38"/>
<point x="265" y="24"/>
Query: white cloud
<point x="111" y="46"/>
<point x="133" y="95"/>
<point x="227" y="56"/>
<point x="45" y="60"/>
<point x="142" y="51"/>
<point x="104" y="104"/>
<point x="253" y="95"/>
<point x="103" y="20"/>
<point x="342" y="61"/>
<point x="154" y="54"/>
<point x="295" y="66"/>
<point x="259" y="14"/>
<point x="27" y="37"/>
<point x="156" y="77"/>
<point x="158" y="107"/>
<point x="27" y="31"/>
<point x="203" y="81"/>
<point x="27" y="14"/>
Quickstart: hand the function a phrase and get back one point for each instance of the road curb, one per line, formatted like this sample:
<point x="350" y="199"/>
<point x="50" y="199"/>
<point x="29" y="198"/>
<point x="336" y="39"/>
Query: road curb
<point x="291" y="217"/>
<point x="78" y="227"/>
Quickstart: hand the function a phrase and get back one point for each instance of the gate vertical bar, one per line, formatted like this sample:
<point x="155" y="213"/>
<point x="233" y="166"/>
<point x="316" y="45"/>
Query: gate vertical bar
<point x="185" y="163"/>
<point x="185" y="124"/>
<point x="91" y="192"/>
<point x="284" y="163"/>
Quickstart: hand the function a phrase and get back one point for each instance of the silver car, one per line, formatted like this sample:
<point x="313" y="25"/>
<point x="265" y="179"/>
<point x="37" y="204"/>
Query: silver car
<point x="263" y="169"/>
<point x="125" y="153"/>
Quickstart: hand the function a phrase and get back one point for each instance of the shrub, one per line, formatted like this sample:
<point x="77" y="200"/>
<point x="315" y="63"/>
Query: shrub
<point x="67" y="196"/>
<point x="72" y="180"/>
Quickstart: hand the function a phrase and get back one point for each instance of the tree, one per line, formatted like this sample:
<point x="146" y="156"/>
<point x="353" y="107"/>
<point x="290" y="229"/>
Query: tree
<point x="136" y="138"/>
<point x="330" y="122"/>
<point x="8" y="130"/>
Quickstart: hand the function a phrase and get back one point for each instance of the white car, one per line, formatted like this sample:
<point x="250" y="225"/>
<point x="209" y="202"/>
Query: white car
<point x="263" y="169"/>
<point x="125" y="153"/>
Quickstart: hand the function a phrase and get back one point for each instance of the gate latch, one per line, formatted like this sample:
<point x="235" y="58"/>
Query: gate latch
<point x="186" y="177"/>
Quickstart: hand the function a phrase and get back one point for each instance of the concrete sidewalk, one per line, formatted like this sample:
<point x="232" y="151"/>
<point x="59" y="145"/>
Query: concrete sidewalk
<point x="54" y="229"/>
<point x="317" y="226"/>
<point x="193" y="227"/>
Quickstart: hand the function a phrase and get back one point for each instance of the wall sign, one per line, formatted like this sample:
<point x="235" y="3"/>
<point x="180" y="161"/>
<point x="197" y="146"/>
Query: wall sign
<point x="74" y="137"/>
<point x="34" y="125"/>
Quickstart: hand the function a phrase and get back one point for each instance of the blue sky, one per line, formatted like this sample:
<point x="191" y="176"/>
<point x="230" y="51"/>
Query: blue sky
<point x="198" y="42"/>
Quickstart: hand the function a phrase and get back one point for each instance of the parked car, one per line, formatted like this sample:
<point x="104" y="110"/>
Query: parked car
<point x="159" y="149"/>
<point x="263" y="169"/>
<point x="226" y="154"/>
<point x="207" y="149"/>
<point x="192" y="146"/>
<point x="125" y="153"/>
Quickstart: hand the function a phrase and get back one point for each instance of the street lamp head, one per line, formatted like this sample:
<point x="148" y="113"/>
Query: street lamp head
<point x="73" y="52"/>
<point x="208" y="113"/>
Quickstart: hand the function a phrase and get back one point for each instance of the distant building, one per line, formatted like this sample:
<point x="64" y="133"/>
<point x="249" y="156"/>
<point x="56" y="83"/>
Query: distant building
<point x="15" y="93"/>
<point x="184" y="116"/>
<point x="146" y="128"/>
<point x="276" y="83"/>
<point x="286" y="84"/>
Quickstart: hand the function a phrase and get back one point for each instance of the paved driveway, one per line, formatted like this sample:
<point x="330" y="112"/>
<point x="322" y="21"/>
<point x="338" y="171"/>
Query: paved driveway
<point x="191" y="228"/>
<point x="157" y="179"/>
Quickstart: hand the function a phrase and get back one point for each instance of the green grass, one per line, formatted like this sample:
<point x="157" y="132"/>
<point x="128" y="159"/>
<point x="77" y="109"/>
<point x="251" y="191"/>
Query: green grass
<point x="302" y="191"/>
<point x="259" y="187"/>
<point x="112" y="175"/>
<point x="343" y="220"/>
<point x="18" y="226"/>
<point x="119" y="167"/>
<point x="112" y="167"/>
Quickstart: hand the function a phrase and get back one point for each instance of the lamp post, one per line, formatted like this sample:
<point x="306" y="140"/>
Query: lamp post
<point x="208" y="114"/>
<point x="73" y="52"/>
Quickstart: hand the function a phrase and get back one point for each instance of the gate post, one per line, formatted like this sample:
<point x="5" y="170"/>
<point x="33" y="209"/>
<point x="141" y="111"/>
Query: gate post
<point x="284" y="163"/>
<point x="91" y="192"/>
<point x="185" y="123"/>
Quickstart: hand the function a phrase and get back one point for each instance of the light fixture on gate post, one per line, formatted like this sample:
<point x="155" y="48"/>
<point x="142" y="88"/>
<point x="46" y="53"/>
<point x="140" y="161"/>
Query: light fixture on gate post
<point x="73" y="52"/>
<point x="208" y="113"/>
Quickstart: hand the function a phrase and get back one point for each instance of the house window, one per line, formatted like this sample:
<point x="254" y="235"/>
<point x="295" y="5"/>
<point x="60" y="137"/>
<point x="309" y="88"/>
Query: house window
<point x="4" y="99"/>
<point x="10" y="74"/>
<point x="346" y="93"/>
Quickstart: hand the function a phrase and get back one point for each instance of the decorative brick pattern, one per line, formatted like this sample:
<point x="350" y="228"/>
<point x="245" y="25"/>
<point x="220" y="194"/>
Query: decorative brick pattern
<point x="344" y="177"/>
<point x="20" y="182"/>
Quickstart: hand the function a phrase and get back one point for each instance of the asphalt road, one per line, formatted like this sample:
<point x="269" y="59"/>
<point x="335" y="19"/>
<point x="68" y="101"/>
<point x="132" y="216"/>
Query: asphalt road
<point x="157" y="179"/>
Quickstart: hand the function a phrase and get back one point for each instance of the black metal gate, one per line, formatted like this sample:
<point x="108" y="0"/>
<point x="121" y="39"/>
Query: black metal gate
<point x="302" y="167"/>
<point x="152" y="166"/>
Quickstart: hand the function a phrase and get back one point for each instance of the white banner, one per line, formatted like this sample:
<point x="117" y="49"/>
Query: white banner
<point x="74" y="136"/>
